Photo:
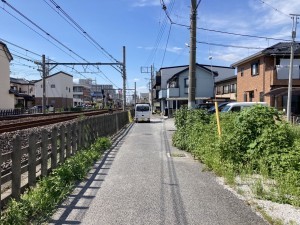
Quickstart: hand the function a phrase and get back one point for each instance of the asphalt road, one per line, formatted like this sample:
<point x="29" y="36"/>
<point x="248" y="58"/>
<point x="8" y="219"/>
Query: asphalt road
<point x="138" y="182"/>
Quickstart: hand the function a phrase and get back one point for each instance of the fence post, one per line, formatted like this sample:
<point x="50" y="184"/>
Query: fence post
<point x="62" y="144"/>
<point x="54" y="148"/>
<point x="16" y="167"/>
<point x="32" y="160"/>
<point x="74" y="128"/>
<point x="44" y="153"/>
<point x="68" y="140"/>
<point x="79" y="135"/>
<point x="117" y="122"/>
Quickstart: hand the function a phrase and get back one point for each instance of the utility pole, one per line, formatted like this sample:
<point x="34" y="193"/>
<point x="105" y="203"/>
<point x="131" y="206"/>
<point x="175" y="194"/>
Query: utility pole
<point x="295" y="17"/>
<point x="151" y="88"/>
<point x="192" y="66"/>
<point x="134" y="94"/>
<point x="44" y="84"/>
<point x="124" y="78"/>
<point x="146" y="70"/>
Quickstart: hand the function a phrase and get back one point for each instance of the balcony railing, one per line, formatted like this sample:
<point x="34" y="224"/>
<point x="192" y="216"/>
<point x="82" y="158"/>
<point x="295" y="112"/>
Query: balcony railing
<point x="162" y="94"/>
<point x="172" y="92"/>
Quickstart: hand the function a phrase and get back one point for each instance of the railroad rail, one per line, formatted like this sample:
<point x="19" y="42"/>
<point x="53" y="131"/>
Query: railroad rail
<point x="37" y="122"/>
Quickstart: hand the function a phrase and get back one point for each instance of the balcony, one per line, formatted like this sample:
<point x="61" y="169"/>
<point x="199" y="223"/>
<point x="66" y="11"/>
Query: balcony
<point x="162" y="94"/>
<point x="172" y="92"/>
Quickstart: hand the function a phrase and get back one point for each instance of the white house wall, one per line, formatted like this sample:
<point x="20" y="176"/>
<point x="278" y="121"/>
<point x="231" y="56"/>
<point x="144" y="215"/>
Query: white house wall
<point x="204" y="84"/>
<point x="63" y="87"/>
<point x="6" y="100"/>
<point x="166" y="74"/>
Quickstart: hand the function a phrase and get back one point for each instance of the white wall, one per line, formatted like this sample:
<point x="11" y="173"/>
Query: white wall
<point x="63" y="86"/>
<point x="6" y="100"/>
<point x="204" y="83"/>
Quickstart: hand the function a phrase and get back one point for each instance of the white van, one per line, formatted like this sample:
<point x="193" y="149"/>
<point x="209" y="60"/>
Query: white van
<point x="142" y="113"/>
<point x="238" y="106"/>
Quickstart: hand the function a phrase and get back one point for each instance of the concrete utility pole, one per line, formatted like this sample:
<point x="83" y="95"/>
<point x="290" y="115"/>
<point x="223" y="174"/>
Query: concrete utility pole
<point x="151" y="88"/>
<point x="192" y="66"/>
<point x="44" y="84"/>
<point x="124" y="78"/>
<point x="295" y="17"/>
<point x="134" y="94"/>
<point x="146" y="70"/>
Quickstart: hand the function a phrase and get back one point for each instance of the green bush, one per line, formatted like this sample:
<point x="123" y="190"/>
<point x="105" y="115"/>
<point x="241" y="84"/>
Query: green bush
<point x="255" y="140"/>
<point x="38" y="203"/>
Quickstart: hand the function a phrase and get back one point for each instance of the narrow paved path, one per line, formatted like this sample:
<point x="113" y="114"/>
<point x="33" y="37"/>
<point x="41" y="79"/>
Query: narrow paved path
<point x="139" y="183"/>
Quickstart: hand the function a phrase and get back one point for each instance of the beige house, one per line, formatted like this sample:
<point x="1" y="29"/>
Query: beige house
<point x="7" y="98"/>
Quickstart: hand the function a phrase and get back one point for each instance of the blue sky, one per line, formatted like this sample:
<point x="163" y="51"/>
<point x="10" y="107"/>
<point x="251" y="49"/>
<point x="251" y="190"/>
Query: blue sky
<point x="141" y="26"/>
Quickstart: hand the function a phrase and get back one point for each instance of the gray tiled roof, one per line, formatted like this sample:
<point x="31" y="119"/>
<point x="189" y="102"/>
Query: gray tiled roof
<point x="282" y="48"/>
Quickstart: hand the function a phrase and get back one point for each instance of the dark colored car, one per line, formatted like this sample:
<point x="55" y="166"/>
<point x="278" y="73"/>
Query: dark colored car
<point x="221" y="105"/>
<point x="205" y="106"/>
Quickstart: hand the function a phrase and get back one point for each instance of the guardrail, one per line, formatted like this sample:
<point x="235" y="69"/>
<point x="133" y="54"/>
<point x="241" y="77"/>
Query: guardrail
<point x="46" y="150"/>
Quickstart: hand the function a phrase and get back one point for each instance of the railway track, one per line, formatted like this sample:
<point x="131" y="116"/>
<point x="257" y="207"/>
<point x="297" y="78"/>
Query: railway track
<point x="42" y="121"/>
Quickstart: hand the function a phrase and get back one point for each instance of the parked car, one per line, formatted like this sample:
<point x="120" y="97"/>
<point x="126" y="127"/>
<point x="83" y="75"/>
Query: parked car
<point x="238" y="106"/>
<point x="204" y="106"/>
<point x="221" y="105"/>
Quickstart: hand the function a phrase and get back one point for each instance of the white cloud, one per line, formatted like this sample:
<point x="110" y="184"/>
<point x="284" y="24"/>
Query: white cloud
<point x="174" y="49"/>
<point x="143" y="3"/>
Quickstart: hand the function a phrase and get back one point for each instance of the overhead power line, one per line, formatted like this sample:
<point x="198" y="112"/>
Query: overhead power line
<point x="229" y="46"/>
<point x="82" y="30"/>
<point x="41" y="29"/>
<point x="277" y="10"/>
<point x="236" y="34"/>
<point x="3" y="40"/>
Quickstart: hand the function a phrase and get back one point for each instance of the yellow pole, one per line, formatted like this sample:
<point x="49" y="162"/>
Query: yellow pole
<point x="218" y="118"/>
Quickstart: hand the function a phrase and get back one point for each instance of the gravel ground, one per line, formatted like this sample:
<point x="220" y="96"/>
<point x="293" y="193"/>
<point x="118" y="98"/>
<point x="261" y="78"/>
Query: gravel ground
<point x="287" y="214"/>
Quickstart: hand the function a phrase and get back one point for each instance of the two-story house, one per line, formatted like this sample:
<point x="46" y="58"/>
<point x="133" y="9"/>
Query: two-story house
<point x="23" y="91"/>
<point x="7" y="98"/>
<point x="171" y="84"/>
<point x="226" y="89"/>
<point x="264" y="76"/>
<point x="59" y="90"/>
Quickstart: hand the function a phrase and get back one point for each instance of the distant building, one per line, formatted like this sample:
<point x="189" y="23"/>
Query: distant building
<point x="144" y="98"/>
<point x="59" y="90"/>
<point x="7" y="97"/>
<point x="81" y="94"/>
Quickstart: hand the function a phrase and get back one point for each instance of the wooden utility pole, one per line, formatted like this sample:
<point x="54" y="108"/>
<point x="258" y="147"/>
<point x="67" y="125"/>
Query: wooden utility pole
<point x="289" y="100"/>
<point x="192" y="66"/>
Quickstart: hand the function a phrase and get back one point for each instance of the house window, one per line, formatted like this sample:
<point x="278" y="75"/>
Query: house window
<point x="226" y="89"/>
<point x="242" y="72"/>
<point x="255" y="68"/>
<point x="251" y="95"/>
<point x="186" y="82"/>
<point x="233" y="88"/>
<point x="261" y="96"/>
<point x="52" y="85"/>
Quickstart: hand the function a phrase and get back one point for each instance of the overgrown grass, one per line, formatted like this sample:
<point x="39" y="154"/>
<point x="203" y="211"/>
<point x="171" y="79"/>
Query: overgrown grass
<point x="254" y="141"/>
<point x="38" y="203"/>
